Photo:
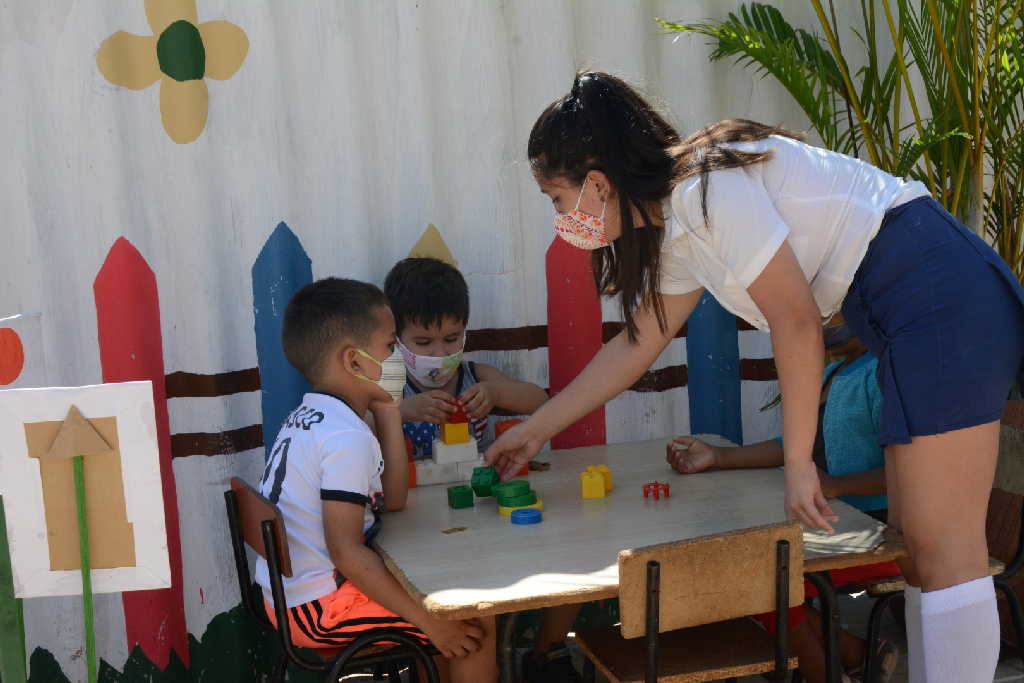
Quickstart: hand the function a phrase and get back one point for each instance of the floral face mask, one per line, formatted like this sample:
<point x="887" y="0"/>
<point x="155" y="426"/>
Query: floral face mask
<point x="581" y="229"/>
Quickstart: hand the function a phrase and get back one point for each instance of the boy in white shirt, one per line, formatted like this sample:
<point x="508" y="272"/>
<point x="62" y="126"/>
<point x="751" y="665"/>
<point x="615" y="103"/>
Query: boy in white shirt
<point x="331" y="479"/>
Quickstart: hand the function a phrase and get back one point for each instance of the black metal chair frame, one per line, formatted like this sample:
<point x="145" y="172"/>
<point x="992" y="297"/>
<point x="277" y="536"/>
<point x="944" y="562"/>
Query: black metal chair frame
<point x="1002" y="583"/>
<point x="653" y="613"/>
<point x="408" y="652"/>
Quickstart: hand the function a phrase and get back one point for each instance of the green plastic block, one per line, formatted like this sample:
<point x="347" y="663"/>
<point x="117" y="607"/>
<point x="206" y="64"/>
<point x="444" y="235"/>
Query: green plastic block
<point x="528" y="498"/>
<point x="509" y="489"/>
<point x="460" y="496"/>
<point x="484" y="478"/>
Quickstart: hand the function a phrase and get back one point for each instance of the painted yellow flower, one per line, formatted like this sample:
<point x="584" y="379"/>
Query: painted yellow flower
<point x="181" y="53"/>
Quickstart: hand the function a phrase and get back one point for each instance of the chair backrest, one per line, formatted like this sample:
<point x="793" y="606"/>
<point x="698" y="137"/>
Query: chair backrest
<point x="253" y="510"/>
<point x="710" y="579"/>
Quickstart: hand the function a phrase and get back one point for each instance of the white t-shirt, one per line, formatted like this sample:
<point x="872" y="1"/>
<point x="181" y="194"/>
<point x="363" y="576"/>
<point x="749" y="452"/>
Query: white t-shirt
<point x="324" y="451"/>
<point x="827" y="205"/>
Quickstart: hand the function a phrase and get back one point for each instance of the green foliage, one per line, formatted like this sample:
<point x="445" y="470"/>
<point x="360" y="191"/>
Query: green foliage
<point x="958" y="65"/>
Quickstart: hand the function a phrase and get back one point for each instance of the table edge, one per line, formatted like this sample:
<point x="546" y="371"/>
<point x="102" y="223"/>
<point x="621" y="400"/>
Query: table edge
<point x="886" y="552"/>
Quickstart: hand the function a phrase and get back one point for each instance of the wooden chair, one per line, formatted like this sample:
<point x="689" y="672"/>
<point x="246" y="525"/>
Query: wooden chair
<point x="698" y="593"/>
<point x="255" y="521"/>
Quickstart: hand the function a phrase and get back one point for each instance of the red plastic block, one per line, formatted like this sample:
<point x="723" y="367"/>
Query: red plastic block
<point x="459" y="414"/>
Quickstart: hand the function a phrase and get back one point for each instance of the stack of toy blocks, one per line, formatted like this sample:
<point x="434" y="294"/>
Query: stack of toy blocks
<point x="515" y="494"/>
<point x="455" y="445"/>
<point x="453" y="451"/>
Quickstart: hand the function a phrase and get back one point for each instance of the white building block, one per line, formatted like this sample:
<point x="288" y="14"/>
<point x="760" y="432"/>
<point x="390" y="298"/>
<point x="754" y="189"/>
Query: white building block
<point x="429" y="472"/>
<point x="466" y="468"/>
<point x="446" y="453"/>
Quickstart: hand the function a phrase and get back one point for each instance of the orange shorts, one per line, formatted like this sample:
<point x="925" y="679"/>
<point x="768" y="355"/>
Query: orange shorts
<point x="337" y="619"/>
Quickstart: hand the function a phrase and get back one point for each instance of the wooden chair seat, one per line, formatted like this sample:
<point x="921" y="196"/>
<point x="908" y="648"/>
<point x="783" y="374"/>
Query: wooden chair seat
<point x="701" y="653"/>
<point x="896" y="584"/>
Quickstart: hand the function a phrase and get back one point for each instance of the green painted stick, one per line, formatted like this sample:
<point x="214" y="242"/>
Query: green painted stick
<point x="12" y="622"/>
<point x="83" y="549"/>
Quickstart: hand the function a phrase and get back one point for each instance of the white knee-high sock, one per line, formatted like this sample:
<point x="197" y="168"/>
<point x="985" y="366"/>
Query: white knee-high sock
<point x="960" y="629"/>
<point x="915" y="641"/>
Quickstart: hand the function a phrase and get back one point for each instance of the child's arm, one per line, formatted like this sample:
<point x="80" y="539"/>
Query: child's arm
<point x="387" y="421"/>
<point x="343" y="531"/>
<point x="867" y="483"/>
<point x="688" y="455"/>
<point x="495" y="389"/>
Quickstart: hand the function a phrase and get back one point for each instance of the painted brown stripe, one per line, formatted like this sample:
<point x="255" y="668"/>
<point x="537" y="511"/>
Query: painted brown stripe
<point x="672" y="377"/>
<point x="217" y="443"/>
<point x="758" y="369"/>
<point x="661" y="380"/>
<point x="507" y="338"/>
<point x="609" y="330"/>
<point x="195" y="385"/>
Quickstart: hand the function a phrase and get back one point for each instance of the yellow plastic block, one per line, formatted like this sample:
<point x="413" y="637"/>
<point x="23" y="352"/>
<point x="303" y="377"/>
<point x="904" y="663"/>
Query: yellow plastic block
<point x="605" y="472"/>
<point x="455" y="433"/>
<point x="508" y="511"/>
<point x="591" y="485"/>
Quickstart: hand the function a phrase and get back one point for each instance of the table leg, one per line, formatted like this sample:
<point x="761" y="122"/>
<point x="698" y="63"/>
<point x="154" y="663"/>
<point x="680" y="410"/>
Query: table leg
<point x="506" y="647"/>
<point x="829" y="624"/>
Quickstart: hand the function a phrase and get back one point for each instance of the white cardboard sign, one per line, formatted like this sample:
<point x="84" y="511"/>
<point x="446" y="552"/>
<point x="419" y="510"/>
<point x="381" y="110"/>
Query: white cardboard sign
<point x="21" y="484"/>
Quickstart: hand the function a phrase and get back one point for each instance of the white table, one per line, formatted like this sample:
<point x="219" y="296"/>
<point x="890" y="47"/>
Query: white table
<point x="474" y="562"/>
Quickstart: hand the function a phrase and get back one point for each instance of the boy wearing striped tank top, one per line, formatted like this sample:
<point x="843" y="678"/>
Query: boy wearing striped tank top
<point x="430" y="301"/>
<point x="332" y="479"/>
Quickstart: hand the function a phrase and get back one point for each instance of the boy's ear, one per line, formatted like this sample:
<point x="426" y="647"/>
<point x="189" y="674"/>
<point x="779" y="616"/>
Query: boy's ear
<point x="349" y="359"/>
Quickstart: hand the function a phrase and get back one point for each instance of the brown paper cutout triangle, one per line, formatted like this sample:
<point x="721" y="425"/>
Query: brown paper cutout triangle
<point x="432" y="245"/>
<point x="77" y="436"/>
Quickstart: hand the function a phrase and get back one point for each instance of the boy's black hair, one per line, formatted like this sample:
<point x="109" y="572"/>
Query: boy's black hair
<point x="324" y="313"/>
<point x="426" y="291"/>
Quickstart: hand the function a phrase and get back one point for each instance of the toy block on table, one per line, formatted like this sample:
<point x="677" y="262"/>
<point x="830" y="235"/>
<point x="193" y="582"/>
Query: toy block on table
<point x="460" y="496"/>
<point x="515" y="495"/>
<point x="526" y="516"/>
<point x="482" y="479"/>
<point x="448" y="453"/>
<point x="459" y="415"/>
<point x="454" y="432"/>
<point x="605" y="472"/>
<point x="467" y="468"/>
<point x="656" y="489"/>
<point x="591" y="485"/>
<point x="429" y="473"/>
<point x="506" y="511"/>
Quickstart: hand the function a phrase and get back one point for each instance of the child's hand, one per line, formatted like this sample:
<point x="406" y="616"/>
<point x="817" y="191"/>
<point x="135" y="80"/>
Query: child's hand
<point x="429" y="406"/>
<point x="380" y="407"/>
<point x="478" y="399"/>
<point x="688" y="455"/>
<point x="455" y="639"/>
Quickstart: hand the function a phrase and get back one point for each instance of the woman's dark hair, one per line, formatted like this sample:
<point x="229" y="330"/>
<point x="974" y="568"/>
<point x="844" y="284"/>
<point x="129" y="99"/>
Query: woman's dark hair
<point x="604" y="124"/>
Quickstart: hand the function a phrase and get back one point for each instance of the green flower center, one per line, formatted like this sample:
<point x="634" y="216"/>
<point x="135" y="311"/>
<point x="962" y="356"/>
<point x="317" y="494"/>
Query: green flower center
<point x="181" y="52"/>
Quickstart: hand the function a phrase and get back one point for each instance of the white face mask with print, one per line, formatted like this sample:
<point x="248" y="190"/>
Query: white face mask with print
<point x="432" y="372"/>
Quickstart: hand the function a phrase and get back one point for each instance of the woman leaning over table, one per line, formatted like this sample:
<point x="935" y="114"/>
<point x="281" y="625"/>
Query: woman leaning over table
<point x="784" y="234"/>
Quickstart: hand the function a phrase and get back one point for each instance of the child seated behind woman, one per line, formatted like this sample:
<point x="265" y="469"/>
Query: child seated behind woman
<point x="851" y="466"/>
<point x="430" y="300"/>
<point x="332" y="478"/>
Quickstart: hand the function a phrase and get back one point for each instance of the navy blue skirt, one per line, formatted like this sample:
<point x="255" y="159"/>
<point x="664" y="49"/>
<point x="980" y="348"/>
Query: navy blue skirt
<point x="944" y="315"/>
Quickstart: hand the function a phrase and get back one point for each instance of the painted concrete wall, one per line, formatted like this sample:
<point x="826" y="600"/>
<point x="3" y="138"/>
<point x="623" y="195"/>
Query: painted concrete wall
<point x="347" y="127"/>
